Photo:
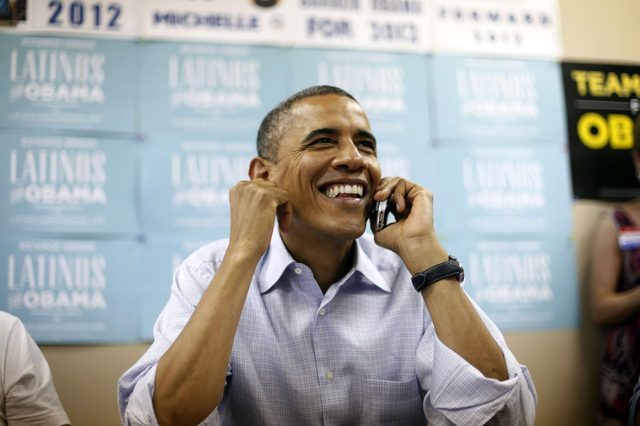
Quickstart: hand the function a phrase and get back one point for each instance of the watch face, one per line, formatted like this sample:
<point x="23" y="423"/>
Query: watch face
<point x="460" y="268"/>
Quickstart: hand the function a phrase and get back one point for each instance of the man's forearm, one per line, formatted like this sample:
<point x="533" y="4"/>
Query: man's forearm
<point x="455" y="320"/>
<point x="190" y="376"/>
<point x="460" y="328"/>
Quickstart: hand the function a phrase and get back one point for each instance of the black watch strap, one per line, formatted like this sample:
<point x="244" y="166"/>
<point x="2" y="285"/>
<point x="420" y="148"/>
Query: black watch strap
<point x="450" y="268"/>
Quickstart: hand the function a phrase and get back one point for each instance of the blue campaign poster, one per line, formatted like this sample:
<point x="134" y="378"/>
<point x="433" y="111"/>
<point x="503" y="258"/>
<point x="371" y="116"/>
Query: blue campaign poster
<point x="67" y="83"/>
<point x="67" y="184"/>
<point x="203" y="88"/>
<point x="71" y="291"/>
<point x="164" y="252"/>
<point x="501" y="190"/>
<point x="497" y="100"/>
<point x="392" y="89"/>
<point x="524" y="283"/>
<point x="185" y="182"/>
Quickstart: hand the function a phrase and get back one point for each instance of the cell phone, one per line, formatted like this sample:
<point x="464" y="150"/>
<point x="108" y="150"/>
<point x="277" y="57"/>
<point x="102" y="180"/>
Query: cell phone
<point x="379" y="216"/>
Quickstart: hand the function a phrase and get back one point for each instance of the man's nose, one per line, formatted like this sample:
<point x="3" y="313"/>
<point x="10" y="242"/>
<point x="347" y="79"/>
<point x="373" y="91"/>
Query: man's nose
<point x="348" y="156"/>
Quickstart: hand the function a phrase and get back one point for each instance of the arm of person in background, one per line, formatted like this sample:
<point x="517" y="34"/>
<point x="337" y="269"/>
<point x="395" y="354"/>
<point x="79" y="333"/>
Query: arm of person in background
<point x="507" y="393"/>
<point x="608" y="306"/>
<point x="27" y="388"/>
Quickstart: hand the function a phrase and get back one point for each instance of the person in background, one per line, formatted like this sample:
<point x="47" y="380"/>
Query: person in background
<point x="27" y="393"/>
<point x="311" y="323"/>
<point x="614" y="284"/>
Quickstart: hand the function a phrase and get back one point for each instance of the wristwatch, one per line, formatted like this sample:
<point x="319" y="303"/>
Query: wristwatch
<point x="450" y="268"/>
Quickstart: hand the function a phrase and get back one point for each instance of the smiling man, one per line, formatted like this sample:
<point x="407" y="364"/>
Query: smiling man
<point x="299" y="319"/>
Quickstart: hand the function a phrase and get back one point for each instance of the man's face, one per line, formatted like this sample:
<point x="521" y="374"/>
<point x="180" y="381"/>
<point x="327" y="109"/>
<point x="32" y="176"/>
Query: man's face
<point x="327" y="163"/>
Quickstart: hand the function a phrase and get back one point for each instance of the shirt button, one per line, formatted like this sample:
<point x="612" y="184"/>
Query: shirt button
<point x="321" y="312"/>
<point x="298" y="271"/>
<point x="329" y="375"/>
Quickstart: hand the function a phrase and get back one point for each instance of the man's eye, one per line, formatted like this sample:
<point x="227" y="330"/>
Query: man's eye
<point x="367" y="144"/>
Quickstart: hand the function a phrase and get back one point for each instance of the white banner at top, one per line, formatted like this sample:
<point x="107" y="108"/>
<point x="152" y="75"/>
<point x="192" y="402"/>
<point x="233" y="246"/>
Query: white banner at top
<point x="516" y="28"/>
<point x="223" y="21"/>
<point x="523" y="28"/>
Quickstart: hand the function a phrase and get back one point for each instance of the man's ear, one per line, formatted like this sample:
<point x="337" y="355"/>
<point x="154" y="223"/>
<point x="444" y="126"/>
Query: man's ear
<point x="259" y="168"/>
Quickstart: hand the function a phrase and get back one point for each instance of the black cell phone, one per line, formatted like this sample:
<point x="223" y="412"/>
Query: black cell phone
<point x="379" y="216"/>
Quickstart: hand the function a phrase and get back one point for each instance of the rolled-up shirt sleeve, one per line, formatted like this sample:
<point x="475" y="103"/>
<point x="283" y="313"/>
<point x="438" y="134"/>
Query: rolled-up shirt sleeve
<point x="136" y="397"/>
<point x="136" y="386"/>
<point x="458" y="393"/>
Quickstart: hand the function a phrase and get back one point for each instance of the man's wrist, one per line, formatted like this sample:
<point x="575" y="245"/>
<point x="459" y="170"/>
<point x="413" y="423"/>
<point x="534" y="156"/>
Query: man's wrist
<point x="242" y="252"/>
<point x="423" y="255"/>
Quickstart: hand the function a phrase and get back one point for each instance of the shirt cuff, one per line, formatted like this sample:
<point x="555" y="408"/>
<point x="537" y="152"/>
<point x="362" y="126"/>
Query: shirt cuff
<point x="461" y="392"/>
<point x="140" y="406"/>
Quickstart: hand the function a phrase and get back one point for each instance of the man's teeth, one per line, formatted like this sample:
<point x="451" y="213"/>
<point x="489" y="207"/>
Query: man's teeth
<point x="335" y="190"/>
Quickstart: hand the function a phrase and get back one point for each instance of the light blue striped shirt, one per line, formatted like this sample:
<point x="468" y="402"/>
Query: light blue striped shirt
<point x="364" y="353"/>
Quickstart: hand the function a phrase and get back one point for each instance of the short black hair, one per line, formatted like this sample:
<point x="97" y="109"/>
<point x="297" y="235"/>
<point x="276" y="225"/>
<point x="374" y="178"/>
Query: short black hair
<point x="276" y="122"/>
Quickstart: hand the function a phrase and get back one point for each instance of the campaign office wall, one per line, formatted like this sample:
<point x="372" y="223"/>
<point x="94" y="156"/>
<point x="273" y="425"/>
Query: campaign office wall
<point x="182" y="168"/>
<point x="121" y="151"/>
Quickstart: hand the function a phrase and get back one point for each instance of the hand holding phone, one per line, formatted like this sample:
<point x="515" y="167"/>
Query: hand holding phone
<point x="413" y="236"/>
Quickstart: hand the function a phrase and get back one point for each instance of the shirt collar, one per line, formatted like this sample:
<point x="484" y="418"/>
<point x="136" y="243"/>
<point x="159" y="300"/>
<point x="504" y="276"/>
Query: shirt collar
<point x="274" y="262"/>
<point x="277" y="259"/>
<point x="368" y="269"/>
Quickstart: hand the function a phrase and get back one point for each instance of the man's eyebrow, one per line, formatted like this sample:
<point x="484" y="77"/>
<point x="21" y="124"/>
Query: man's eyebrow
<point x="329" y="131"/>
